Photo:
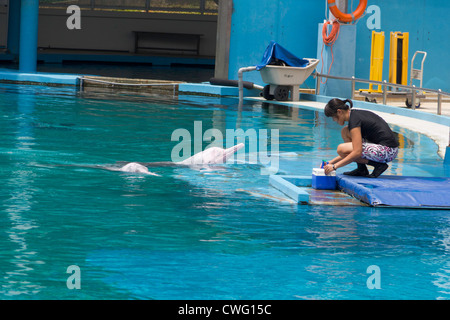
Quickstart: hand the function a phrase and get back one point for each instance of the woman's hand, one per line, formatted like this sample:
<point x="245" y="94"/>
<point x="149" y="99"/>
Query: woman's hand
<point x="329" y="168"/>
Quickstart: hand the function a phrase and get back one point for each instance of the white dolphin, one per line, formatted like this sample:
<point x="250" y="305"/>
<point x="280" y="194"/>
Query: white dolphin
<point x="213" y="155"/>
<point x="137" y="168"/>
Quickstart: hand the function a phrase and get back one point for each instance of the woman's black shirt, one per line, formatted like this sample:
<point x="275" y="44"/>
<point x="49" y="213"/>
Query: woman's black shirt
<point x="373" y="128"/>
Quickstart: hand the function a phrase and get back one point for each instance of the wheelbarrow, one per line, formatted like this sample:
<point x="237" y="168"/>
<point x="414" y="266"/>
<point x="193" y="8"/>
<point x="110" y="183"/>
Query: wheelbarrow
<point x="283" y="81"/>
<point x="282" y="71"/>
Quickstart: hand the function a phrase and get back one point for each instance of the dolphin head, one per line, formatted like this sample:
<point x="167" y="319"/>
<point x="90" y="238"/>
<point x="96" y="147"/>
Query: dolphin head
<point x="136" y="168"/>
<point x="227" y="153"/>
<point x="216" y="155"/>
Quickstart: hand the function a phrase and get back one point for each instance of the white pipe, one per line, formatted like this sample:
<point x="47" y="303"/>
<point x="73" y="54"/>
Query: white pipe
<point x="240" y="83"/>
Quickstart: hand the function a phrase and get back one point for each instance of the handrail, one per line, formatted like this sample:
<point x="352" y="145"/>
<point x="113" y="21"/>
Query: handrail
<point x="384" y="85"/>
<point x="146" y="6"/>
<point x="240" y="82"/>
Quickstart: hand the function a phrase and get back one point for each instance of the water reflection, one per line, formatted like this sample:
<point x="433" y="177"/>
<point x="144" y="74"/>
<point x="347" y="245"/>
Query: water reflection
<point x="19" y="205"/>
<point x="442" y="275"/>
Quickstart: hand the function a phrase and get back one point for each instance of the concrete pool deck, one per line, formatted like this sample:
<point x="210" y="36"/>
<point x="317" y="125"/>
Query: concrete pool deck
<point x="38" y="78"/>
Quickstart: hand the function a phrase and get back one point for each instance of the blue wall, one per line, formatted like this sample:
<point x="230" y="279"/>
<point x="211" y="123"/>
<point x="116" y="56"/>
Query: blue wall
<point x="294" y="24"/>
<point x="428" y="27"/>
<point x="291" y="23"/>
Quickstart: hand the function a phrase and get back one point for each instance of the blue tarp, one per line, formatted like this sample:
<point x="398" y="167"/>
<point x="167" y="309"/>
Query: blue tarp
<point x="275" y="51"/>
<point x="398" y="191"/>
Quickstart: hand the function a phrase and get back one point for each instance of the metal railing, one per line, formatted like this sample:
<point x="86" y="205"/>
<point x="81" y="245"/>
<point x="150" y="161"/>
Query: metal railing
<point x="192" y="6"/>
<point x="384" y="84"/>
<point x="121" y="84"/>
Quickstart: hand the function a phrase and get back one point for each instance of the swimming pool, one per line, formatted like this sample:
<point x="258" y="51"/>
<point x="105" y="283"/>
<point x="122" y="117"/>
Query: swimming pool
<point x="222" y="233"/>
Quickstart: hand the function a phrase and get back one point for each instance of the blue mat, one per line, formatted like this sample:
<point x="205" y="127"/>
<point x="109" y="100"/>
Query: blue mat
<point x="398" y="191"/>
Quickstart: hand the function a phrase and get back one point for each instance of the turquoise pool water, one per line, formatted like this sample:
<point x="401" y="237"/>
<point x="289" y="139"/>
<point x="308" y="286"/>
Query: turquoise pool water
<point x="222" y="233"/>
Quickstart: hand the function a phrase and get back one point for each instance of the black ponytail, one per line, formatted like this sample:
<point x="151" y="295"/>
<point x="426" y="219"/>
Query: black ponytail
<point x="350" y="102"/>
<point x="335" y="104"/>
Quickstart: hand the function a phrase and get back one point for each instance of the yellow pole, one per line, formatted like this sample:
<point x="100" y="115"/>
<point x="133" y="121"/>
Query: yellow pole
<point x="398" y="63"/>
<point x="376" y="60"/>
<point x="405" y="58"/>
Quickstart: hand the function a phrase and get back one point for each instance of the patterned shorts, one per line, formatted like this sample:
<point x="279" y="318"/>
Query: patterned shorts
<point x="378" y="153"/>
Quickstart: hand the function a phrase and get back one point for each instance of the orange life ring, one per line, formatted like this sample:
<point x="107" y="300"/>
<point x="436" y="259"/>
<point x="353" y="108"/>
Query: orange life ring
<point x="347" y="17"/>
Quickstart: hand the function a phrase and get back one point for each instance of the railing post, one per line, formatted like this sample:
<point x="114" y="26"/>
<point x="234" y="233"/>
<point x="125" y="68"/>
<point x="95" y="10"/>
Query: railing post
<point x="439" y="102"/>
<point x="353" y="87"/>
<point x="413" y="106"/>
<point x="202" y="7"/>
<point x="240" y="82"/>
<point x="384" y="92"/>
<point x="318" y="84"/>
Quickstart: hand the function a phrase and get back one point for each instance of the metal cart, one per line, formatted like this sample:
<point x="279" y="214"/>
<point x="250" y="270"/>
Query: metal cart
<point x="415" y="74"/>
